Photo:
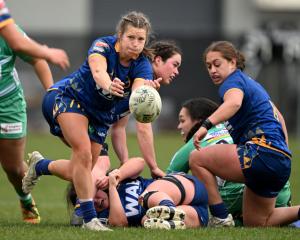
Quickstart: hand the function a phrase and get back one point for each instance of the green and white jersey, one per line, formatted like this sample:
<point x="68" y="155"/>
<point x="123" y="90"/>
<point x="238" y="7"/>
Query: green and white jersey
<point x="216" y="135"/>
<point x="9" y="80"/>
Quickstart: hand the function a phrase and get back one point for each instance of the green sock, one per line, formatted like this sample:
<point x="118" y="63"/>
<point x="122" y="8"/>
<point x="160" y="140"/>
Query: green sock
<point x="26" y="199"/>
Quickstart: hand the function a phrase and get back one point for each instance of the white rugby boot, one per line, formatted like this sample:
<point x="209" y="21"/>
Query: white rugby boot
<point x="30" y="179"/>
<point x="220" y="222"/>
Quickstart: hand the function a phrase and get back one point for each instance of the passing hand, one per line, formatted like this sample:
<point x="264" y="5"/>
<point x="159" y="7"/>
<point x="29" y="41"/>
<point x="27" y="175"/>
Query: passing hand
<point x="153" y="83"/>
<point x="199" y="135"/>
<point x="116" y="88"/>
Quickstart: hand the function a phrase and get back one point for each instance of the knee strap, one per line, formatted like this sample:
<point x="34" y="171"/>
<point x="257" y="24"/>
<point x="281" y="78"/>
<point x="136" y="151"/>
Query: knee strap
<point x="174" y="180"/>
<point x="143" y="199"/>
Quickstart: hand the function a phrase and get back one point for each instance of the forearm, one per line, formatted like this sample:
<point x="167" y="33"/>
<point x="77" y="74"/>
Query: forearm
<point x="146" y="143"/>
<point x="17" y="42"/>
<point x="98" y="67"/>
<point x="119" y="140"/>
<point x="117" y="215"/>
<point x="132" y="168"/>
<point x="43" y="72"/>
<point x="233" y="99"/>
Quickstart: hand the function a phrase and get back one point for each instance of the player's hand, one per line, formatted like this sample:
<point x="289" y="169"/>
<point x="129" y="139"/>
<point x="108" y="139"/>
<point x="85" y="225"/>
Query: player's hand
<point x="199" y="135"/>
<point x="58" y="57"/>
<point x="157" y="172"/>
<point x="116" y="88"/>
<point x="102" y="183"/>
<point x="153" y="83"/>
<point x="114" y="177"/>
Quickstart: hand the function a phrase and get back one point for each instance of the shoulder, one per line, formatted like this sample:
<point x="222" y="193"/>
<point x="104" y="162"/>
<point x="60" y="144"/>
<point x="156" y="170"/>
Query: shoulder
<point x="103" y="45"/>
<point x="142" y="61"/>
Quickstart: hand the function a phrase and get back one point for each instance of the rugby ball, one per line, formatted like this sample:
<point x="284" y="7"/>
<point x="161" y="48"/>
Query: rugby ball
<point x="145" y="104"/>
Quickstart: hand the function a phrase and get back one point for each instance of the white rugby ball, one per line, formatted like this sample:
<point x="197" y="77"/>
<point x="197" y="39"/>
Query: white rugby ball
<point x="145" y="104"/>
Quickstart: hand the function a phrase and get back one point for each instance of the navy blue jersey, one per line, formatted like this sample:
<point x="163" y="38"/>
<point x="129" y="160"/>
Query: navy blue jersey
<point x="97" y="102"/>
<point x="129" y="191"/>
<point x="256" y="118"/>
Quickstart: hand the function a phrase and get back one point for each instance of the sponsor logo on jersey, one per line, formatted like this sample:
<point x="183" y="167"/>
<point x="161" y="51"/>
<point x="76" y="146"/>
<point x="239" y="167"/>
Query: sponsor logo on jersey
<point x="100" y="46"/>
<point x="11" y="128"/>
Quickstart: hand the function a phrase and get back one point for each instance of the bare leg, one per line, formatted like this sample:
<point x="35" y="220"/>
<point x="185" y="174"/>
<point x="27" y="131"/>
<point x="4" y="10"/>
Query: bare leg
<point x="191" y="219"/>
<point x="265" y="212"/>
<point x="210" y="162"/>
<point x="11" y="158"/>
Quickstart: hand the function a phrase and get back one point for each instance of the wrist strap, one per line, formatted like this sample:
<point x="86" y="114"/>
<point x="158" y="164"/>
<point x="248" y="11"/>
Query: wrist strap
<point x="207" y="124"/>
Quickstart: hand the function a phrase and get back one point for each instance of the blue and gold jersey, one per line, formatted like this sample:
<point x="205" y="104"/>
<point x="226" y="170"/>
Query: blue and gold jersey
<point x="256" y="119"/>
<point x="129" y="191"/>
<point x="96" y="101"/>
<point x="5" y="17"/>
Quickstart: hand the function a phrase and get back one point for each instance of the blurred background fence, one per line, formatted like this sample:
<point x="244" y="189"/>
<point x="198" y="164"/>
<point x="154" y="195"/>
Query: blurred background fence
<point x="268" y="32"/>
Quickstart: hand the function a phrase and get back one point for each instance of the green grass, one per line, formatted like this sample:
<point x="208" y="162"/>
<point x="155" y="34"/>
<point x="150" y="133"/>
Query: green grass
<point x="49" y="194"/>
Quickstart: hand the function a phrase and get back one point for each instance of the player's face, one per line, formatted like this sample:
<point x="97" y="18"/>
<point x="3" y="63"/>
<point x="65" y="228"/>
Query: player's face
<point x="185" y="122"/>
<point x="167" y="70"/>
<point x="101" y="200"/>
<point x="218" y="67"/>
<point x="132" y="42"/>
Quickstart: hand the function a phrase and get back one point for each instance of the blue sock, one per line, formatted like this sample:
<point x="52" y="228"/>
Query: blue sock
<point x="88" y="210"/>
<point x="219" y="210"/>
<point x="77" y="208"/>
<point x="167" y="203"/>
<point x="41" y="167"/>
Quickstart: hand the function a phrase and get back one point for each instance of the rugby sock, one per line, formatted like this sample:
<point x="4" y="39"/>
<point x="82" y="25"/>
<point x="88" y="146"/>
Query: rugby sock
<point x="41" y="167"/>
<point x="88" y="210"/>
<point x="77" y="209"/>
<point x="26" y="199"/>
<point x="167" y="203"/>
<point x="219" y="210"/>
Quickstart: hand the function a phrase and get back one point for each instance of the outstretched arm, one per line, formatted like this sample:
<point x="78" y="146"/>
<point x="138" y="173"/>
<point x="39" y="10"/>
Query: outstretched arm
<point x="118" y="138"/>
<point x="43" y="72"/>
<point x="232" y="102"/>
<point x="19" y="43"/>
<point x="146" y="141"/>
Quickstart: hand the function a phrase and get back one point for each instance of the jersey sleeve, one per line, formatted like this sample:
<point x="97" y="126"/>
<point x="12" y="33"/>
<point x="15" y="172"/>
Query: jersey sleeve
<point x="5" y="17"/>
<point x="180" y="161"/>
<point x="230" y="83"/>
<point x="99" y="46"/>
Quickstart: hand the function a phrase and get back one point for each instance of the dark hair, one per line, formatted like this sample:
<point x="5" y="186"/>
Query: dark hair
<point x="199" y="109"/>
<point x="137" y="20"/>
<point x="228" y="51"/>
<point x="165" y="49"/>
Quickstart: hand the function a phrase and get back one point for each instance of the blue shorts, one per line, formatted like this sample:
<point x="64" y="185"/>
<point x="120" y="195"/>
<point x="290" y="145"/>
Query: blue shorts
<point x="200" y="200"/>
<point x="55" y="102"/>
<point x="266" y="171"/>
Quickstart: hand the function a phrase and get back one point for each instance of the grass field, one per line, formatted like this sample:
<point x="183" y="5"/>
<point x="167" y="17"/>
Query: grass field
<point x="49" y="194"/>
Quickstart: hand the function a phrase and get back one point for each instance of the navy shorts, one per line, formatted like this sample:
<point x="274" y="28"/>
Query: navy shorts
<point x="200" y="200"/>
<point x="266" y="171"/>
<point x="55" y="102"/>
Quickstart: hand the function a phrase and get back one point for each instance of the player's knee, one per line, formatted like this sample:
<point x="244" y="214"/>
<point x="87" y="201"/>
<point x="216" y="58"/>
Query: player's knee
<point x="193" y="162"/>
<point x="82" y="157"/>
<point x="194" y="159"/>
